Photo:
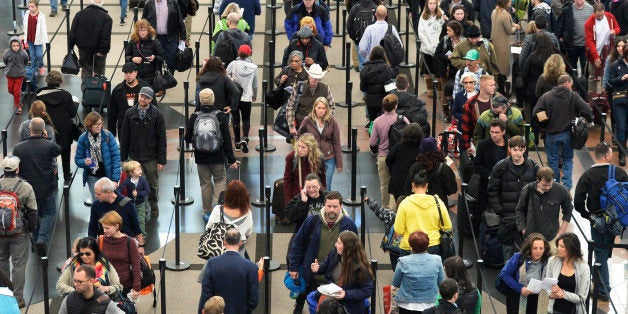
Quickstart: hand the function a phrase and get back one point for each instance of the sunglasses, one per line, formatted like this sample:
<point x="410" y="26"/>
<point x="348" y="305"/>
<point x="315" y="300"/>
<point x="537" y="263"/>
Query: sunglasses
<point x="84" y="253"/>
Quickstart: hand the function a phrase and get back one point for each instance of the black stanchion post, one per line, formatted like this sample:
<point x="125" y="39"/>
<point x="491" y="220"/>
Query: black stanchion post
<point x="374" y="291"/>
<point x="23" y="6"/>
<point x="337" y="33"/>
<point x="362" y="214"/>
<point x="406" y="64"/>
<point x="183" y="200"/>
<point x="273" y="265"/>
<point x="44" y="270"/>
<point x="48" y="57"/>
<point x="135" y="12"/>
<point x="417" y="67"/>
<point x="67" y="23"/>
<point x="266" y="285"/>
<point x="480" y="273"/>
<point x="186" y="114"/>
<point x="66" y="214"/>
<point x="591" y="247"/>
<point x="197" y="46"/>
<point x="162" y="282"/>
<point x="399" y="20"/>
<point x="343" y="63"/>
<point x="264" y="108"/>
<point x="353" y="201"/>
<point x="4" y="143"/>
<point x="603" y="130"/>
<point x="467" y="263"/>
<point x="347" y="56"/>
<point x="390" y="5"/>
<point x="260" y="201"/>
<point x="348" y="90"/>
<point x="596" y="287"/>
<point x="81" y="4"/>
<point x="271" y="63"/>
<point x="15" y="31"/>
<point x="178" y="264"/>
<point x="273" y="6"/>
<point x="434" y="102"/>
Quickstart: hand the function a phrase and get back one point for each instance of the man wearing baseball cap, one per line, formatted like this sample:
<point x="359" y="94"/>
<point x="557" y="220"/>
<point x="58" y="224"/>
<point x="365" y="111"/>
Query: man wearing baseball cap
<point x="124" y="96"/>
<point x="474" y="40"/>
<point x="473" y="66"/>
<point x="143" y="139"/>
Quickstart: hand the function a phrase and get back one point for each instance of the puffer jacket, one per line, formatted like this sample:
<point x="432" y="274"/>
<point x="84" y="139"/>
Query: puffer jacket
<point x="61" y="110"/>
<point x="110" y="155"/>
<point x="144" y="49"/>
<point x="504" y="185"/>
<point x="372" y="80"/>
<point x="244" y="72"/>
<point x="321" y="19"/>
<point x="225" y="91"/>
<point x="143" y="139"/>
<point x="314" y="50"/>
<point x="15" y="61"/>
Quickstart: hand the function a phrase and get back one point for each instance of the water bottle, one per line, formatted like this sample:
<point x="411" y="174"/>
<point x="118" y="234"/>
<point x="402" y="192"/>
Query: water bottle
<point x="93" y="164"/>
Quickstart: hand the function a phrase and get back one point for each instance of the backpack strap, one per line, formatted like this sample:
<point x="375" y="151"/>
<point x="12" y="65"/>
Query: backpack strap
<point x="389" y="28"/>
<point x="440" y="215"/>
<point x="123" y="202"/>
<point x="16" y="186"/>
<point x="611" y="172"/>
<point x="100" y="242"/>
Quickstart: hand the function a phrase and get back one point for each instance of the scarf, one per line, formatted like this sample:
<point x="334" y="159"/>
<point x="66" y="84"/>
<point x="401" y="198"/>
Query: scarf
<point x="94" y="150"/>
<point x="102" y="272"/>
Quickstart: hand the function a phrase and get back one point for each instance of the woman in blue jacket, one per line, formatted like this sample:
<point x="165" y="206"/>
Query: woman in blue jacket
<point x="520" y="269"/>
<point x="97" y="152"/>
<point x="355" y="276"/>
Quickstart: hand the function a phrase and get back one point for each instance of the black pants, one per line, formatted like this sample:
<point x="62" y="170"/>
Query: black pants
<point x="404" y="311"/>
<point x="65" y="162"/>
<point x="244" y="108"/>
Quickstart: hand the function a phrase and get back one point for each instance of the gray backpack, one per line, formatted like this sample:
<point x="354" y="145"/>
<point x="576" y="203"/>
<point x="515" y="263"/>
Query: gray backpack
<point x="207" y="135"/>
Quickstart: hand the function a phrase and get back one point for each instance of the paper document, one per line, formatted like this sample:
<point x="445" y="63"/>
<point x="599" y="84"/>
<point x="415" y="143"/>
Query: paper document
<point x="536" y="285"/>
<point x="515" y="50"/>
<point x="329" y="289"/>
<point x="448" y="53"/>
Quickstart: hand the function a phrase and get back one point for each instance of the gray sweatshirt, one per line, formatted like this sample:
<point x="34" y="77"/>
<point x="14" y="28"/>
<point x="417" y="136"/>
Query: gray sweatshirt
<point x="15" y="61"/>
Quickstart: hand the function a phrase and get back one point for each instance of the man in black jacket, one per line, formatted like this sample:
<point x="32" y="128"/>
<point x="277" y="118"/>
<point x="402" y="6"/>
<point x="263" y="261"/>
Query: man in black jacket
<point x="504" y="188"/>
<point x="169" y="31"/>
<point x="309" y="201"/>
<point x="143" y="139"/>
<point x="123" y="97"/>
<point x="588" y="189"/>
<point x="361" y="15"/>
<point x="312" y="49"/>
<point x="91" y="32"/>
<point x="211" y="165"/>
<point x="37" y="155"/>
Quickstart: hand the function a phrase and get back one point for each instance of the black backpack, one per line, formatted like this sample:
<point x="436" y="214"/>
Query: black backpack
<point x="362" y="19"/>
<point x="393" y="47"/>
<point x="225" y="49"/>
<point x="414" y="111"/>
<point x="395" y="130"/>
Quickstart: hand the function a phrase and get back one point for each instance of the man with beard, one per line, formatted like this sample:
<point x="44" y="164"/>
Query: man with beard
<point x="314" y="240"/>
<point x="309" y="201"/>
<point x="124" y="96"/>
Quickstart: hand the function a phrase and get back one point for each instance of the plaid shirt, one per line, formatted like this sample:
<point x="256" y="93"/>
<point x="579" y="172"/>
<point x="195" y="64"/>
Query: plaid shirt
<point x="468" y="122"/>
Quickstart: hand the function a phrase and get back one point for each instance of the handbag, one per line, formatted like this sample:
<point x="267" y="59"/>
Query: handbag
<point x="211" y="242"/>
<point x="184" y="59"/>
<point x="164" y="79"/>
<point x="579" y="133"/>
<point x="125" y="304"/>
<point x="473" y="188"/>
<point x="70" y="64"/>
<point x="390" y="242"/>
<point x="447" y="248"/>
<point x="276" y="98"/>
<point x="281" y="122"/>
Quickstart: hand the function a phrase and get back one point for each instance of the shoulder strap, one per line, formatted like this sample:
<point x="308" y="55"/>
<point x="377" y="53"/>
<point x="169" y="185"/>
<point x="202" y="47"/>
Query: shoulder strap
<point x="222" y="213"/>
<point x="123" y="202"/>
<point x="389" y="28"/>
<point x="17" y="185"/>
<point x="611" y="172"/>
<point x="440" y="215"/>
<point x="100" y="242"/>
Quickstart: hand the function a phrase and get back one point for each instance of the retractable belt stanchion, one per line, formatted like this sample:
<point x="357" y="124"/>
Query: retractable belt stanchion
<point x="81" y="4"/>
<point x="480" y="273"/>
<point x="48" y="57"/>
<point x="343" y="63"/>
<point x="417" y="68"/>
<point x="399" y="31"/>
<point x="210" y="31"/>
<point x="4" y="143"/>
<point x="67" y="22"/>
<point x="344" y="17"/>
<point x="596" y="287"/>
<point x="183" y="200"/>
<point x="348" y="148"/>
<point x="407" y="64"/>
<point x="66" y="215"/>
<point x="353" y="201"/>
<point x="186" y="116"/>
<point x="197" y="47"/>
<point x="362" y="214"/>
<point x="434" y="102"/>
<point x="162" y="283"/>
<point x="374" y="291"/>
<point x="267" y="285"/>
<point x="603" y="130"/>
<point x="178" y="264"/>
<point x="347" y="57"/>
<point x="260" y="201"/>
<point x="271" y="63"/>
<point x="273" y="265"/>
<point x="264" y="108"/>
<point x="273" y="6"/>
<point x="467" y="263"/>
<point x="15" y="31"/>
<point x="44" y="269"/>
<point x="23" y="6"/>
<point x="135" y="16"/>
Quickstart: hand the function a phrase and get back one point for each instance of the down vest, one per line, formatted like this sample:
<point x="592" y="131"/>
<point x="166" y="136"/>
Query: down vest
<point x="505" y="185"/>
<point x="110" y="155"/>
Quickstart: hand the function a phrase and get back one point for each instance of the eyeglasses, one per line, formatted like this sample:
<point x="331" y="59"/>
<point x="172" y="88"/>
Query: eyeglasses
<point x="468" y="82"/>
<point x="88" y="254"/>
<point x="295" y="61"/>
<point x="80" y="282"/>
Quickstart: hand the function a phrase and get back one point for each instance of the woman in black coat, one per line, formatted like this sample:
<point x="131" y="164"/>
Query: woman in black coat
<point x="375" y="74"/>
<point x="61" y="109"/>
<point x="214" y="76"/>
<point x="402" y="156"/>
<point x="145" y="51"/>
<point x="441" y="179"/>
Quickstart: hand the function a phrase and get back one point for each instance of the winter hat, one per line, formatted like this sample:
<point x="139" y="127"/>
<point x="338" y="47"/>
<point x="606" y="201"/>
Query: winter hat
<point x="305" y="32"/>
<point x="428" y="144"/>
<point x="206" y="97"/>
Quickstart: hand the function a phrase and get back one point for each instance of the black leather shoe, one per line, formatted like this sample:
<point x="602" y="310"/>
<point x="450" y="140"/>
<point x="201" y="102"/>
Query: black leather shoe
<point x="40" y="248"/>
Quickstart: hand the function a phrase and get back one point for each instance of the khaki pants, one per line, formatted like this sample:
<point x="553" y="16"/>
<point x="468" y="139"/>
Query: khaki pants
<point x="384" y="179"/>
<point x="210" y="191"/>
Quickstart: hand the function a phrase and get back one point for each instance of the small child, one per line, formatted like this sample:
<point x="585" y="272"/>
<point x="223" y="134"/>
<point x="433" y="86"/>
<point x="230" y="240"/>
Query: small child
<point x="136" y="188"/>
<point x="15" y="60"/>
<point x="448" y="290"/>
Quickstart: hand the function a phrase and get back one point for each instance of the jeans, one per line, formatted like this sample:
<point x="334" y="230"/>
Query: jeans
<point x="91" y="182"/>
<point x="170" y="50"/>
<point x="558" y="146"/>
<point x="329" y="173"/>
<point x="15" y="249"/>
<point x="47" y="210"/>
<point x="123" y="5"/>
<point x="602" y="254"/>
<point x="54" y="4"/>
<point x="211" y="191"/>
<point x="619" y="113"/>
<point x="361" y="58"/>
<point x="577" y="53"/>
<point x="36" y="52"/>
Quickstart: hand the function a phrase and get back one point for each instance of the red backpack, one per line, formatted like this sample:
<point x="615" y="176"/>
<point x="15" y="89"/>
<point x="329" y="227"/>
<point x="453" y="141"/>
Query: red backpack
<point x="11" y="220"/>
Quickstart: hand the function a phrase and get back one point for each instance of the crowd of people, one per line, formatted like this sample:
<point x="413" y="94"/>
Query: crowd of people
<point x="523" y="209"/>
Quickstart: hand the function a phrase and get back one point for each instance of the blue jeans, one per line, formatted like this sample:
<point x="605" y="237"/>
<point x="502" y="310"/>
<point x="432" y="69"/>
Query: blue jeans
<point x="329" y="172"/>
<point x="558" y="146"/>
<point x="361" y="59"/>
<point x="170" y="50"/>
<point x="123" y="5"/>
<point x="601" y="256"/>
<point x="91" y="182"/>
<point x="47" y="210"/>
<point x="36" y="52"/>
<point x="619" y="113"/>
<point x="54" y="4"/>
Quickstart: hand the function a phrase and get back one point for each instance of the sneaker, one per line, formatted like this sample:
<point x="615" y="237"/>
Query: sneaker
<point x="21" y="304"/>
<point x="42" y="71"/>
<point x="18" y="111"/>
<point x="122" y="22"/>
<point x="40" y="248"/>
<point x="206" y="216"/>
<point x="245" y="147"/>
<point x="53" y="14"/>
<point x="238" y="147"/>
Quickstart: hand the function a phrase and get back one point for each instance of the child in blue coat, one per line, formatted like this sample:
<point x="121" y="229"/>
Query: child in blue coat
<point x="136" y="188"/>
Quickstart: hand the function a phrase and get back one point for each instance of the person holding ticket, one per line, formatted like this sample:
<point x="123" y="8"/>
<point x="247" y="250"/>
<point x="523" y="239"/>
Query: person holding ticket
<point x="522" y="268"/>
<point x="569" y="294"/>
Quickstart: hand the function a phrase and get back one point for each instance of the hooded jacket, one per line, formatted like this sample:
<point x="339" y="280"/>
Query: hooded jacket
<point x="41" y="32"/>
<point x="225" y="91"/>
<point x="244" y="72"/>
<point x="15" y="61"/>
<point x="314" y="50"/>
<point x="429" y="34"/>
<point x="61" y="109"/>
<point x="562" y="105"/>
<point x="373" y="77"/>
<point x="237" y="37"/>
<point x="505" y="184"/>
<point x="91" y="30"/>
<point x="420" y="212"/>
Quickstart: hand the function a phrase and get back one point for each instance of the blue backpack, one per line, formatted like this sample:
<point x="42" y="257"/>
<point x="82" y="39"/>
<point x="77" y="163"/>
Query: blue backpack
<point x="614" y="199"/>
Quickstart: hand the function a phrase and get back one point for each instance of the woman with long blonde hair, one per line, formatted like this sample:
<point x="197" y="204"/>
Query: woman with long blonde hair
<point x="38" y="110"/>
<point x="553" y="68"/>
<point x="322" y="125"/>
<point x="145" y="51"/>
<point x="310" y="160"/>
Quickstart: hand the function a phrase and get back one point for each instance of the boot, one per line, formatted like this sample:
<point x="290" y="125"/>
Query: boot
<point x="622" y="157"/>
<point x="429" y="86"/>
<point x="438" y="87"/>
<point x="446" y="112"/>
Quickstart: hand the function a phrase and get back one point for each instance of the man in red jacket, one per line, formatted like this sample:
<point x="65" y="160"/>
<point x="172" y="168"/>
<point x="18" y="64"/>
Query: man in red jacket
<point x="599" y="30"/>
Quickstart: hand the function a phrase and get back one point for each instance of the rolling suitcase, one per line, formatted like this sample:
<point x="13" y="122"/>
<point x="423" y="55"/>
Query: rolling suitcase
<point x="278" y="203"/>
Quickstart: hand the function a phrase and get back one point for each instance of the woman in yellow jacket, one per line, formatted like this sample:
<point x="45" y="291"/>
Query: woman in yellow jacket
<point x="419" y="211"/>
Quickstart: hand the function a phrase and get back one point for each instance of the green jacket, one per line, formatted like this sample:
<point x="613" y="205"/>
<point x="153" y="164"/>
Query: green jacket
<point x="488" y="60"/>
<point x="514" y="124"/>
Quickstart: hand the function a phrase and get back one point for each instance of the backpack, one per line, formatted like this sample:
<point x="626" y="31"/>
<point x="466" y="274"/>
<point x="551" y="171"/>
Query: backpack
<point x="225" y="49"/>
<point x="521" y="8"/>
<point x="614" y="199"/>
<point x="395" y="130"/>
<point x="362" y="19"/>
<point x="207" y="135"/>
<point x="579" y="133"/>
<point x="11" y="216"/>
<point x="393" y="47"/>
<point x="414" y="112"/>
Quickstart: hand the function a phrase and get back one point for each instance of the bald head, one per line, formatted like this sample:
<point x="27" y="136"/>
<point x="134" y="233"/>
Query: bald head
<point x="37" y="126"/>
<point x="381" y="12"/>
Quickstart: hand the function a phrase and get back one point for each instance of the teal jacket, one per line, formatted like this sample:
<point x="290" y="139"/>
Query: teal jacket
<point x="514" y="124"/>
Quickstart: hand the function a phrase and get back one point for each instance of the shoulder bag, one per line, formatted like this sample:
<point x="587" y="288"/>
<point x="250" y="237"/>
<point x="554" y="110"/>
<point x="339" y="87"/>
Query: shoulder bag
<point x="211" y="242"/>
<point x="164" y="79"/>
<point x="447" y="248"/>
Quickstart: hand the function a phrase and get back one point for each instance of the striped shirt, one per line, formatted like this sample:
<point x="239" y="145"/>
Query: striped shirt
<point x="579" y="17"/>
<point x="161" y="11"/>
